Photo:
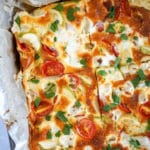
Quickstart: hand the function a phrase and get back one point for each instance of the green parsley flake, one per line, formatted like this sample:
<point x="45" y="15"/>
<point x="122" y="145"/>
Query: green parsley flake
<point x="148" y="128"/>
<point x="58" y="134"/>
<point x="117" y="61"/>
<point x="67" y="129"/>
<point x="111" y="29"/>
<point x="102" y="72"/>
<point x="122" y="28"/>
<point x="34" y="80"/>
<point x="116" y="99"/>
<point x="60" y="115"/>
<point x="50" y="90"/>
<point x="48" y="117"/>
<point x="111" y="12"/>
<point x="135" y="82"/>
<point x="17" y="20"/>
<point x="77" y="104"/>
<point x="141" y="74"/>
<point x="135" y="143"/>
<point x="83" y="62"/>
<point x="36" y="56"/>
<point x="107" y="108"/>
<point x="129" y="60"/>
<point x="147" y="83"/>
<point x="37" y="102"/>
<point x="70" y="14"/>
<point x="124" y="37"/>
<point x="55" y="39"/>
<point x="49" y="134"/>
<point x="54" y="26"/>
<point x="135" y="38"/>
<point x="59" y="7"/>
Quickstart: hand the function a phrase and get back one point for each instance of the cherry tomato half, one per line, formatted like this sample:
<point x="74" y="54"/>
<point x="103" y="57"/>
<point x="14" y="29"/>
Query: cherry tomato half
<point x="85" y="128"/>
<point x="23" y="47"/>
<point x="124" y="107"/>
<point x="52" y="68"/>
<point x="49" y="50"/>
<point x="43" y="109"/>
<point x="144" y="109"/>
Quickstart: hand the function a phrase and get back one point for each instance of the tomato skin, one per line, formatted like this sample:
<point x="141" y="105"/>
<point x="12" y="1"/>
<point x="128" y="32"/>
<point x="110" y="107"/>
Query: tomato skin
<point x="124" y="108"/>
<point x="144" y="109"/>
<point x="51" y="51"/>
<point x="43" y="109"/>
<point x="75" y="80"/>
<point x="85" y="128"/>
<point x="101" y="104"/>
<point x="52" y="68"/>
<point x="23" y="47"/>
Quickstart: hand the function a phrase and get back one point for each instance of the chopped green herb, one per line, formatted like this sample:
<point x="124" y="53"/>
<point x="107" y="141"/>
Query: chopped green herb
<point x="70" y="14"/>
<point x="67" y="129"/>
<point x="60" y="115"/>
<point x="55" y="39"/>
<point x="108" y="147"/>
<point x="37" y="102"/>
<point x="117" y="61"/>
<point x="17" y="20"/>
<point x="34" y="80"/>
<point x="116" y="148"/>
<point x="50" y="90"/>
<point x="83" y="62"/>
<point x="77" y="104"/>
<point x="148" y="128"/>
<point x="111" y="29"/>
<point x="135" y="82"/>
<point x="124" y="37"/>
<point x="54" y="26"/>
<point x="129" y="60"/>
<point x="135" y="143"/>
<point x="48" y="117"/>
<point x="135" y="38"/>
<point x="122" y="28"/>
<point x="141" y="74"/>
<point x="59" y="7"/>
<point x="36" y="56"/>
<point x="102" y="72"/>
<point x="147" y="82"/>
<point x="49" y="134"/>
<point x="58" y="134"/>
<point x="77" y="8"/>
<point x="109" y="107"/>
<point x="116" y="99"/>
<point x="148" y="121"/>
<point x="111" y="12"/>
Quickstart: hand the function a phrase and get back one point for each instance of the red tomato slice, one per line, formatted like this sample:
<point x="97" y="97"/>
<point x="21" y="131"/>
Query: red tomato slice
<point x="86" y="129"/>
<point x="124" y="108"/>
<point x="49" y="50"/>
<point x="23" y="47"/>
<point x="123" y="8"/>
<point x="43" y="109"/>
<point x="52" y="68"/>
<point x="75" y="80"/>
<point x="144" y="109"/>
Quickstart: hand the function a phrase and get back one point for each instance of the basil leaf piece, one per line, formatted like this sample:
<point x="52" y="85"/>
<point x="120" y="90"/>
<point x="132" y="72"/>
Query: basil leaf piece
<point x="148" y="128"/>
<point x="147" y="82"/>
<point x="54" y="26"/>
<point x="55" y="39"/>
<point x="58" y="134"/>
<point x="107" y="108"/>
<point x="50" y="90"/>
<point x="37" y="102"/>
<point x="70" y="14"/>
<point x="60" y="115"/>
<point x="83" y="63"/>
<point x="122" y="28"/>
<point x="48" y="117"/>
<point x="117" y="61"/>
<point x="77" y="104"/>
<point x="129" y="60"/>
<point x="124" y="37"/>
<point x="67" y="129"/>
<point x="36" y="56"/>
<point x="111" y="29"/>
<point x="111" y="12"/>
<point x="49" y="134"/>
<point x="17" y="20"/>
<point x="141" y="74"/>
<point x="34" y="80"/>
<point x="135" y="143"/>
<point x="59" y="7"/>
<point x="116" y="99"/>
<point x="102" y="72"/>
<point x="135" y="82"/>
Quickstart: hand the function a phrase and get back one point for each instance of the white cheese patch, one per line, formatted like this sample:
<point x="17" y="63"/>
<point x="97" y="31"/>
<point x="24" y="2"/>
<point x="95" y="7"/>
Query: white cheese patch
<point x="48" y="144"/>
<point x="88" y="147"/>
<point x="116" y="114"/>
<point x="143" y="96"/>
<point x="33" y="39"/>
